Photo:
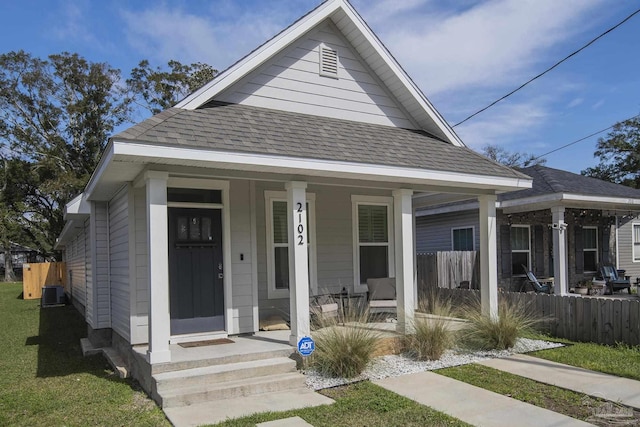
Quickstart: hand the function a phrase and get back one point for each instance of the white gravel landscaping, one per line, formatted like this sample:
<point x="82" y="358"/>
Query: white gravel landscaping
<point x="396" y="365"/>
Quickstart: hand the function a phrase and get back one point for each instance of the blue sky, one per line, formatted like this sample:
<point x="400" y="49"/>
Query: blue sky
<point x="463" y="54"/>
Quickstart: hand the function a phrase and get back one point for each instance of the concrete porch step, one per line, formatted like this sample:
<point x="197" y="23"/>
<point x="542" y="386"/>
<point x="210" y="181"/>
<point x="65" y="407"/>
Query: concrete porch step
<point x="220" y="360"/>
<point x="224" y="372"/>
<point x="199" y="393"/>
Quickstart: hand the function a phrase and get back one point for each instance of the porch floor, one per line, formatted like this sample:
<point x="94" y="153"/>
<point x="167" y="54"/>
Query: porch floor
<point x="260" y="342"/>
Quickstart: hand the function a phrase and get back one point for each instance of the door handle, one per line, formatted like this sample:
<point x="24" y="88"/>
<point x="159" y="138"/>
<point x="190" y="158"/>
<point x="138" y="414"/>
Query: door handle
<point x="220" y="275"/>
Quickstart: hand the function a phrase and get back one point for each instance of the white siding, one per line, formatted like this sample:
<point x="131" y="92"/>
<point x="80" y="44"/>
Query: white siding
<point x="334" y="244"/>
<point x="292" y="82"/>
<point x="100" y="259"/>
<point x="241" y="269"/>
<point x="433" y="232"/>
<point x="76" y="270"/>
<point x="140" y="287"/>
<point x="88" y="283"/>
<point x="119" y="263"/>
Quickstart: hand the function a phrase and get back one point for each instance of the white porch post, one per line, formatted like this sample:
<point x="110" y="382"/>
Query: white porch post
<point x="488" y="256"/>
<point x="404" y="254"/>
<point x="158" y="269"/>
<point x="560" y="272"/>
<point x="298" y="260"/>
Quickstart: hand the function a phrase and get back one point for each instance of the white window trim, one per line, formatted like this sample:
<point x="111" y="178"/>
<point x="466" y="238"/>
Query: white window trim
<point x="635" y="252"/>
<point x="357" y="200"/>
<point x="520" y="251"/>
<point x="281" y="196"/>
<point x="473" y="236"/>
<point x="590" y="227"/>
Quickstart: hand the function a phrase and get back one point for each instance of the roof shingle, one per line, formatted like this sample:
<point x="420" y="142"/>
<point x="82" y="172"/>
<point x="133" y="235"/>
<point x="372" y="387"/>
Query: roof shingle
<point x="241" y="128"/>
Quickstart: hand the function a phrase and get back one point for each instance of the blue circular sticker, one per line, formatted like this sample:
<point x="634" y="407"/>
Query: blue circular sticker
<point x="306" y="346"/>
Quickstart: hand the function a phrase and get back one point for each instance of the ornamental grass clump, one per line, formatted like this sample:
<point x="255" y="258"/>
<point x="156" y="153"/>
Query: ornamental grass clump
<point x="432" y="334"/>
<point x="487" y="333"/>
<point x="344" y="345"/>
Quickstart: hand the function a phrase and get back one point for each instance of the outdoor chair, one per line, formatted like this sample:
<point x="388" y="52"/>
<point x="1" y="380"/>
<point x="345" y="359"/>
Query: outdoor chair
<point x="613" y="282"/>
<point x="535" y="283"/>
<point x="382" y="295"/>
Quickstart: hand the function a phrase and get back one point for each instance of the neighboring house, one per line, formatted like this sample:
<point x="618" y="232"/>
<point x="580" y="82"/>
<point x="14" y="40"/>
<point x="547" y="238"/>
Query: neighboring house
<point x="20" y="255"/>
<point x="291" y="173"/>
<point x="592" y="222"/>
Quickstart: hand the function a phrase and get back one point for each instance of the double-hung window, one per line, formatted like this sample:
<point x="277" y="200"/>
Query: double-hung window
<point x="520" y="249"/>
<point x="636" y="242"/>
<point x="373" y="239"/>
<point x="462" y="239"/>
<point x="278" y="243"/>
<point x="590" y="248"/>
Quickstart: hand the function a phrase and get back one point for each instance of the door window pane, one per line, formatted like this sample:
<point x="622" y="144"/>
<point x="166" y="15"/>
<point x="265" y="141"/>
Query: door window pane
<point x="183" y="228"/>
<point x="194" y="228"/>
<point x="206" y="229"/>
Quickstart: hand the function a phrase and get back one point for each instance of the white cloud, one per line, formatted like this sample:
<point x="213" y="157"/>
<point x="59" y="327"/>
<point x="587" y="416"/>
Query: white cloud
<point x="72" y="23"/>
<point x="488" y="44"/>
<point x="218" y="36"/>
<point x="575" y="102"/>
<point x="506" y="122"/>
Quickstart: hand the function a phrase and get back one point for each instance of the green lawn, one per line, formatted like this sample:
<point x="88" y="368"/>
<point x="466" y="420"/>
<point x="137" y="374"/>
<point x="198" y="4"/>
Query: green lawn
<point x="620" y="360"/>
<point x="45" y="381"/>
<point x="361" y="404"/>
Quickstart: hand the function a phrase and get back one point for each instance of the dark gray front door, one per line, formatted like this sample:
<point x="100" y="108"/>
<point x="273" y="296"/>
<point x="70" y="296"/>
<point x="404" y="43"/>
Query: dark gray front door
<point x="196" y="292"/>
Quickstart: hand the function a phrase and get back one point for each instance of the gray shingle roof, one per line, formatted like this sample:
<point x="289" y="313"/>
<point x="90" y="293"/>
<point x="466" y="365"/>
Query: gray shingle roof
<point x="246" y="129"/>
<point x="549" y="181"/>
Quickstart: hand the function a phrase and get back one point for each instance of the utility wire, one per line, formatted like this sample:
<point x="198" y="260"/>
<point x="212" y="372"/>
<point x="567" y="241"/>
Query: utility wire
<point x="579" y="140"/>
<point x="549" y="69"/>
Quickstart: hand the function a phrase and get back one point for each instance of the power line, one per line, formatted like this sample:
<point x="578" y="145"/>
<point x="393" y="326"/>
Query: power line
<point x="549" y="69"/>
<point x="580" y="140"/>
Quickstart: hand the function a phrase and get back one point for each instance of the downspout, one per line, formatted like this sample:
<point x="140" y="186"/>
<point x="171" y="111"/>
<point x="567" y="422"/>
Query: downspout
<point x="617" y="245"/>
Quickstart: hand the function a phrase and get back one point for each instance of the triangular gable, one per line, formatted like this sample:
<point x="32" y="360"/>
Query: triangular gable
<point x="384" y="93"/>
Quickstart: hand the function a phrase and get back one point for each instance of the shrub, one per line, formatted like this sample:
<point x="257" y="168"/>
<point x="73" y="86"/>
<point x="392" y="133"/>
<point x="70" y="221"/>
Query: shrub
<point x="431" y="336"/>
<point x="486" y="333"/>
<point x="344" y="346"/>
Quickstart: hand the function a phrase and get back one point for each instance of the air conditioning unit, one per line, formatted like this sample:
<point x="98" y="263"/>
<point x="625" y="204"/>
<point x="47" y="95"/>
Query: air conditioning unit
<point x="52" y="295"/>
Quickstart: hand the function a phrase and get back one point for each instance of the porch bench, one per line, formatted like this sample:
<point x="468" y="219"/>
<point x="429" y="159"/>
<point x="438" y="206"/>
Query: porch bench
<point x="382" y="295"/>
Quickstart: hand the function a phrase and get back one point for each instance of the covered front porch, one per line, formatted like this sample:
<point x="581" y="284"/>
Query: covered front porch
<point x="281" y="243"/>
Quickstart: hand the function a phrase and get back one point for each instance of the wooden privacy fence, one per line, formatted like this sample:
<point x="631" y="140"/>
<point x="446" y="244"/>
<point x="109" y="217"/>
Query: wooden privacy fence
<point x="600" y="320"/>
<point x="37" y="275"/>
<point x="447" y="269"/>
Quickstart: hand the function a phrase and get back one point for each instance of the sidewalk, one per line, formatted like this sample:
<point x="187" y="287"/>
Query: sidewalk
<point x="609" y="387"/>
<point x="472" y="404"/>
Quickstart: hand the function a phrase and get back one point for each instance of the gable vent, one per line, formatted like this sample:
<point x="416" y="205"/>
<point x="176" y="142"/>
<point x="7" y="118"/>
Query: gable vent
<point x="328" y="62"/>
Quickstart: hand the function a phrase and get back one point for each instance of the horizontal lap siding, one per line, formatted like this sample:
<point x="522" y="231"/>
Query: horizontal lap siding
<point x="76" y="269"/>
<point x="242" y="288"/>
<point x="140" y="303"/>
<point x="334" y="246"/>
<point x="119" y="263"/>
<point x="433" y="232"/>
<point x="101" y="267"/>
<point x="88" y="276"/>
<point x="625" y="248"/>
<point x="292" y="82"/>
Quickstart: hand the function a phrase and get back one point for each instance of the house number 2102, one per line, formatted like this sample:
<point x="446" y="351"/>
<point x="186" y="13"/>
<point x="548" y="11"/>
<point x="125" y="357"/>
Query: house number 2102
<point x="300" y="228"/>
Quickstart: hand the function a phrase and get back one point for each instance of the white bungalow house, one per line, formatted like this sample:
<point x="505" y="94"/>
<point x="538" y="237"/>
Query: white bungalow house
<point x="290" y="174"/>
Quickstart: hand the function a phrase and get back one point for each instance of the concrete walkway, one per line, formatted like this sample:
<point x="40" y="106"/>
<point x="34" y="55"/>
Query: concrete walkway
<point x="472" y="404"/>
<point x="609" y="387"/>
<point x="220" y="410"/>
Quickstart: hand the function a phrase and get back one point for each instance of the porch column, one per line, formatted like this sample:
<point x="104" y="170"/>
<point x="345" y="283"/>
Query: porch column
<point x="488" y="256"/>
<point x="158" y="269"/>
<point x="404" y="254"/>
<point x="560" y="272"/>
<point x="298" y="261"/>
